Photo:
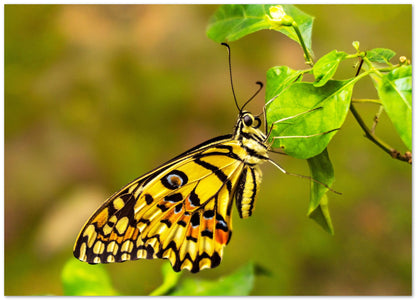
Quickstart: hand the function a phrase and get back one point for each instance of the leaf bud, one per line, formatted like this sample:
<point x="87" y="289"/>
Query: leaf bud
<point x="278" y="17"/>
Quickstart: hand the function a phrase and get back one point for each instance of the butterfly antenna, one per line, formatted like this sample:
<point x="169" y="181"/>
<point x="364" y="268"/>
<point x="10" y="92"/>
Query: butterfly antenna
<point x="255" y="94"/>
<point x="231" y="74"/>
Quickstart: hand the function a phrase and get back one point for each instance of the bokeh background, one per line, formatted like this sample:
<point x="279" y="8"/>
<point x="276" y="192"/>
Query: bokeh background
<point x="96" y="95"/>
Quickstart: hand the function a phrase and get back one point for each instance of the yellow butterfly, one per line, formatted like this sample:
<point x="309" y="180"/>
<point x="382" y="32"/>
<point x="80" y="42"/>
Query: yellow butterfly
<point x="181" y="211"/>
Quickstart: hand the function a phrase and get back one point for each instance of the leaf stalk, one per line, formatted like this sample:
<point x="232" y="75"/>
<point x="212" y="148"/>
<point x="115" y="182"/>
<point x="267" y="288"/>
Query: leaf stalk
<point x="308" y="56"/>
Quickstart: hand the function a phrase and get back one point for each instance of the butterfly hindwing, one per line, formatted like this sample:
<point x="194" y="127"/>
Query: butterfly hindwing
<point x="180" y="211"/>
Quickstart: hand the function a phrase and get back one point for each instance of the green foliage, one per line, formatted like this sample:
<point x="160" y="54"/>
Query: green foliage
<point x="380" y="55"/>
<point x="81" y="115"/>
<point x="238" y="283"/>
<point x="170" y="279"/>
<point x="326" y="66"/>
<point x="281" y="77"/>
<point x="322" y="170"/>
<point x="232" y="22"/>
<point x="298" y="100"/>
<point x="395" y="91"/>
<point x="304" y="116"/>
<point x="81" y="279"/>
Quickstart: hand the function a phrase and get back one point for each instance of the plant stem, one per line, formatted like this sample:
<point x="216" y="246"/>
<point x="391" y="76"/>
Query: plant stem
<point x="309" y="60"/>
<point x="376" y="119"/>
<point x="368" y="133"/>
<point x="407" y="157"/>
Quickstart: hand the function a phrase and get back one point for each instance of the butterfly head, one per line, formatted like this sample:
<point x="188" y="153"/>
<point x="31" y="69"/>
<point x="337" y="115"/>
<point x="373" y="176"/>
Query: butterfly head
<point x="248" y="127"/>
<point x="248" y="120"/>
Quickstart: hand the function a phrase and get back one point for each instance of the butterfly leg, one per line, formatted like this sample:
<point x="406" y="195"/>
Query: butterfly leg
<point x="303" y="136"/>
<point x="302" y="176"/>
<point x="269" y="130"/>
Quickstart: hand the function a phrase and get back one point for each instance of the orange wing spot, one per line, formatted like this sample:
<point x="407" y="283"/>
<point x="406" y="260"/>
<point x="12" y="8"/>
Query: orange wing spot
<point x="120" y="239"/>
<point x="168" y="214"/>
<point x="192" y="232"/>
<point x="207" y="224"/>
<point x="115" y="237"/>
<point x="129" y="232"/>
<point x="184" y="219"/>
<point x="173" y="218"/>
<point x="187" y="205"/>
<point x="221" y="237"/>
<point x="102" y="238"/>
<point x="169" y="219"/>
<point x="102" y="218"/>
<point x="175" y="180"/>
<point x="135" y="234"/>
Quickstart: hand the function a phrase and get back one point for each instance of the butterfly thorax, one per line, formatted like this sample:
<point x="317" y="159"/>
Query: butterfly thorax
<point x="251" y="138"/>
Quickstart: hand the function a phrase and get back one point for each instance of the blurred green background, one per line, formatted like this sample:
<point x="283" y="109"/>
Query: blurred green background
<point x="96" y="95"/>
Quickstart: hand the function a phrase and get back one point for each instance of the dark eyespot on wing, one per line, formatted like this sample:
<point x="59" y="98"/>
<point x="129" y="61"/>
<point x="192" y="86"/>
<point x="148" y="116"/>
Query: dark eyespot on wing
<point x="174" y="179"/>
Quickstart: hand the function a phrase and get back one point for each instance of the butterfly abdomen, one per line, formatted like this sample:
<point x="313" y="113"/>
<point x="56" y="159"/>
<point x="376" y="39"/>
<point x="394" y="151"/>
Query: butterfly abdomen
<point x="247" y="191"/>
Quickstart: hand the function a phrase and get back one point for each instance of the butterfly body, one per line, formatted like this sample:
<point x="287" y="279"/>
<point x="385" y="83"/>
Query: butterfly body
<point x="181" y="211"/>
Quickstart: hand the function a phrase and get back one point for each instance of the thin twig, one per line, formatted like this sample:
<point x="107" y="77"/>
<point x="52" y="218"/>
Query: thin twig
<point x="376" y="119"/>
<point x="407" y="157"/>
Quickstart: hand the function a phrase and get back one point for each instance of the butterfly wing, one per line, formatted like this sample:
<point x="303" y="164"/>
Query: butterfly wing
<point x="181" y="211"/>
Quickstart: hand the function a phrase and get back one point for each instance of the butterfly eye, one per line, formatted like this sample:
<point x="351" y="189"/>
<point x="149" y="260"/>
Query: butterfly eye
<point x="248" y="120"/>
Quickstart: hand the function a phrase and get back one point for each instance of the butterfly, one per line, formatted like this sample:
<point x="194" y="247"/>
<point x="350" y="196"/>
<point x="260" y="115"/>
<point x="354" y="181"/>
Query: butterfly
<point x="181" y="211"/>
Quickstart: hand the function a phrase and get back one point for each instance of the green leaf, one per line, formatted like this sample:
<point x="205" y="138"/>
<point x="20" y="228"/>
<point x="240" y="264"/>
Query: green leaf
<point x="82" y="279"/>
<point x="380" y="55"/>
<point x="326" y="66"/>
<point x="239" y="283"/>
<point x="278" y="78"/>
<point x="322" y="171"/>
<point x="321" y="215"/>
<point x="331" y="103"/>
<point x="395" y="91"/>
<point x="234" y="21"/>
<point x="170" y="279"/>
